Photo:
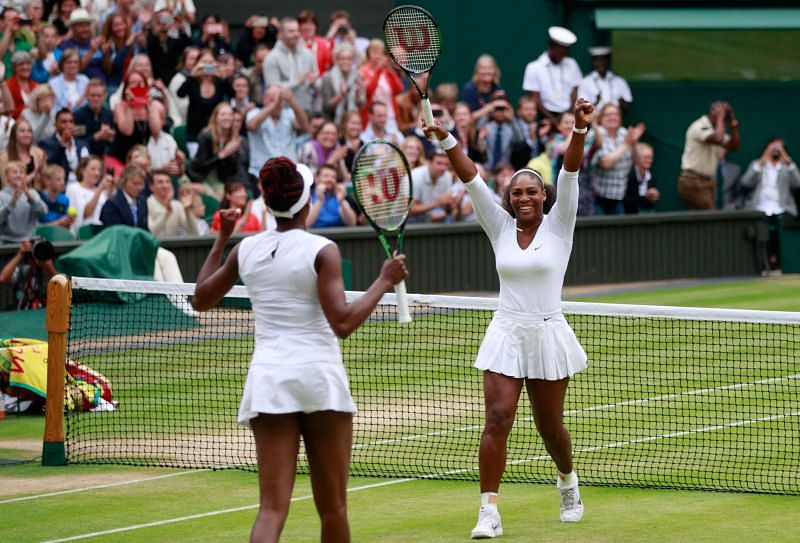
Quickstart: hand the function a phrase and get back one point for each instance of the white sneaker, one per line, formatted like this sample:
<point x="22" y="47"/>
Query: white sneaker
<point x="571" y="504"/>
<point x="489" y="525"/>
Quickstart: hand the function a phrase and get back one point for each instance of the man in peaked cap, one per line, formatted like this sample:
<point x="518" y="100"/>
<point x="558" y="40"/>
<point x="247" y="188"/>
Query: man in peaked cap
<point x="553" y="78"/>
<point x="603" y="86"/>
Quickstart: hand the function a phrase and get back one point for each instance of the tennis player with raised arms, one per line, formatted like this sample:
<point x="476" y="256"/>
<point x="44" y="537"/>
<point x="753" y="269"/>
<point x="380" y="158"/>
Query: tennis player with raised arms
<point x="528" y="341"/>
<point x="296" y="383"/>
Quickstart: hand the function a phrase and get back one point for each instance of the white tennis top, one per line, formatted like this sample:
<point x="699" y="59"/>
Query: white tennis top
<point x="530" y="279"/>
<point x="290" y="327"/>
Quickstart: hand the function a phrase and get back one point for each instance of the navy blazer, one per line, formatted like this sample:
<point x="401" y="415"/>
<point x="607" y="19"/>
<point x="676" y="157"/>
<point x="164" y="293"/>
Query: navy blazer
<point x="57" y="153"/>
<point x="117" y="211"/>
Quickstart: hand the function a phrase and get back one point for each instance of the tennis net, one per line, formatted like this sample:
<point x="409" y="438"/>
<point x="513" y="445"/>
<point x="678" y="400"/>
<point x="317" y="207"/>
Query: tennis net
<point x="673" y="397"/>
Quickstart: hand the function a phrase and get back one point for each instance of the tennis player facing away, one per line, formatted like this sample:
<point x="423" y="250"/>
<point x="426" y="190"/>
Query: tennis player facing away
<point x="528" y="341"/>
<point x="296" y="384"/>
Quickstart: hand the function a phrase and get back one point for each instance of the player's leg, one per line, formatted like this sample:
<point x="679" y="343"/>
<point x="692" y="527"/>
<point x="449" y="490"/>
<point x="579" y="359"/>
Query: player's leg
<point x="277" y="440"/>
<point x="501" y="394"/>
<point x="547" y="400"/>
<point x="328" y="436"/>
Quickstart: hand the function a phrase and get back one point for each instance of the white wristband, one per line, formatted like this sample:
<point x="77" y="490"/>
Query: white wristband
<point x="449" y="142"/>
<point x="580" y="130"/>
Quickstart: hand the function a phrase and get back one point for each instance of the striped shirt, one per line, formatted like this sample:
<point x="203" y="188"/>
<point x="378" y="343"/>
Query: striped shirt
<point x="611" y="183"/>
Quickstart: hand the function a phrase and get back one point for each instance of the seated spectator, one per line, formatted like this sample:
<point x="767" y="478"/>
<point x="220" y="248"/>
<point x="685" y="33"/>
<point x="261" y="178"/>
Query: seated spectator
<point x="54" y="197"/>
<point x="329" y="203"/>
<point x="62" y="148"/>
<point x="70" y="85"/>
<point x="64" y="9"/>
<point x="556" y="146"/>
<point x="167" y="42"/>
<point x="255" y="74"/>
<point x="139" y="157"/>
<point x="28" y="276"/>
<point x="378" y="128"/>
<point x="641" y="192"/>
<point x="219" y="158"/>
<point x="342" y="87"/>
<point x="162" y="147"/>
<point x="432" y="197"/>
<point x="128" y="205"/>
<point x="47" y="55"/>
<point x="132" y="119"/>
<point x="214" y="35"/>
<point x="324" y="148"/>
<point x="184" y="69"/>
<point x="116" y="49"/>
<point x="205" y="89"/>
<point x="197" y="211"/>
<point x="20" y="85"/>
<point x="415" y="152"/>
<point x="382" y="84"/>
<point x="20" y="205"/>
<point x="350" y="131"/>
<point x="772" y="178"/>
<point x="409" y="106"/>
<point x="82" y="39"/>
<point x="484" y="87"/>
<point x="241" y="96"/>
<point x="41" y="112"/>
<point x="90" y="193"/>
<point x="446" y="95"/>
<point x="236" y="197"/>
<point x="257" y="31"/>
<point x="528" y="127"/>
<point x="94" y="122"/>
<point x="470" y="138"/>
<point x="34" y="12"/>
<point x="612" y="162"/>
<point x="165" y="215"/>
<point x="14" y="37"/>
<point x="319" y="46"/>
<point x="501" y="133"/>
<point x="21" y="149"/>
<point x="272" y="129"/>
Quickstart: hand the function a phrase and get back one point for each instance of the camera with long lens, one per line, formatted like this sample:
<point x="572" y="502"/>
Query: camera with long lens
<point x="41" y="249"/>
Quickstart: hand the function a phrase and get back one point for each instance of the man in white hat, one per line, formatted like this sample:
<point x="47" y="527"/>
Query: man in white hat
<point x="603" y="86"/>
<point x="553" y="78"/>
<point x="88" y="46"/>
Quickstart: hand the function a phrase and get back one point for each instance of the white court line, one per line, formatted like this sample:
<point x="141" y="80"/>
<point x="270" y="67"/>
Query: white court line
<point x="107" y="485"/>
<point x="584" y="409"/>
<point x="208" y="514"/>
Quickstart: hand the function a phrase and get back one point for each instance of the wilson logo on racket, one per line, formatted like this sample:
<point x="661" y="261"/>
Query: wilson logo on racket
<point x="389" y="188"/>
<point x="413" y="46"/>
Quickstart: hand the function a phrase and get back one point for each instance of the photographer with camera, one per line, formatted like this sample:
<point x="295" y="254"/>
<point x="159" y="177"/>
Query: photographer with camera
<point x="258" y="30"/>
<point x="20" y="205"/>
<point x="26" y="273"/>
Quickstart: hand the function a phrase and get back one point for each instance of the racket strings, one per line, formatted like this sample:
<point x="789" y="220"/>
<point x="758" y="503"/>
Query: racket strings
<point x="412" y="39"/>
<point x="382" y="186"/>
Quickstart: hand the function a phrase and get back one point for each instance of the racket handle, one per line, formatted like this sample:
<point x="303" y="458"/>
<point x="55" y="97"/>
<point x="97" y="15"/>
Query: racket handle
<point x="427" y="114"/>
<point x="403" y="314"/>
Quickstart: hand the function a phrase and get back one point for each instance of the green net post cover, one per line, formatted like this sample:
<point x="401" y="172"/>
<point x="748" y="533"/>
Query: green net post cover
<point x="53" y="454"/>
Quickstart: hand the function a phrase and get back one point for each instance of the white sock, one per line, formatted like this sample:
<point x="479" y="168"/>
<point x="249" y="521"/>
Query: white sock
<point x="567" y="480"/>
<point x="485" y="500"/>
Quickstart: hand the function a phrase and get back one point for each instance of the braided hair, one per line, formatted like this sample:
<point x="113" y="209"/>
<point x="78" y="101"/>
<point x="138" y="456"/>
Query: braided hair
<point x="281" y="183"/>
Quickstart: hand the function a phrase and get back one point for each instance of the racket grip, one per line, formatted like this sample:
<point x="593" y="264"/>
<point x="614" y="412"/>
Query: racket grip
<point x="427" y="114"/>
<point x="403" y="314"/>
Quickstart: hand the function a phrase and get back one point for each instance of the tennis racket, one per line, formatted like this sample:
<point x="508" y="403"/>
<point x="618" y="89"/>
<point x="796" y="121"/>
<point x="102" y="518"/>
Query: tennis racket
<point x="413" y="41"/>
<point x="383" y="188"/>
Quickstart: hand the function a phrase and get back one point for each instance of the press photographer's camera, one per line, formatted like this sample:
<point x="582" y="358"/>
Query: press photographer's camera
<point x="41" y="249"/>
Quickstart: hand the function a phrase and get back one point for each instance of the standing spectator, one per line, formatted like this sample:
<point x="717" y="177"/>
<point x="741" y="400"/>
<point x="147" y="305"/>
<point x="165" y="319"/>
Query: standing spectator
<point x="214" y="35"/>
<point x="88" y="46"/>
<point x="319" y="46"/>
<point x="342" y="88"/>
<point x="129" y="204"/>
<point x="697" y="183"/>
<point x="94" y="122"/>
<point x="20" y="85"/>
<point x="641" y="192"/>
<point x="772" y="179"/>
<point x="613" y="161"/>
<point x="164" y="50"/>
<point x="21" y="149"/>
<point x="432" y="195"/>
<point x="20" y="205"/>
<point x="341" y="30"/>
<point x="55" y="198"/>
<point x="553" y="78"/>
<point x="70" y="85"/>
<point x="184" y="70"/>
<point x="64" y="9"/>
<point x="62" y="148"/>
<point x="378" y="127"/>
<point x="484" y="87"/>
<point x="35" y="14"/>
<point x="257" y="31"/>
<point x="41" y="112"/>
<point x="90" y="193"/>
<point x="236" y="198"/>
<point x="272" y="129"/>
<point x="116" y="50"/>
<point x="324" y="148"/>
<point x="603" y="86"/>
<point x="329" y="203"/>
<point x="128" y="10"/>
<point x="132" y="119"/>
<point x="292" y="65"/>
<point x="47" y="55"/>
<point x="165" y="215"/>
<point x="382" y="83"/>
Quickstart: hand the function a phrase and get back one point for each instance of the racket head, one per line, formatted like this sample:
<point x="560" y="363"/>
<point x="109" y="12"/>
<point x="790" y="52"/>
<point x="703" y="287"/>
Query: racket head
<point x="382" y="185"/>
<point x="412" y="38"/>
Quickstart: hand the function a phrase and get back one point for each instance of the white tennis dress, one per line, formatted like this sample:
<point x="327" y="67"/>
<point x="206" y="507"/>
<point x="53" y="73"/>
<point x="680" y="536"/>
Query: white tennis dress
<point x="528" y="335"/>
<point x="296" y="364"/>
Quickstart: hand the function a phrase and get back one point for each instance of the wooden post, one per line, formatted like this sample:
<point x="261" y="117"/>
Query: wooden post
<point x="59" y="301"/>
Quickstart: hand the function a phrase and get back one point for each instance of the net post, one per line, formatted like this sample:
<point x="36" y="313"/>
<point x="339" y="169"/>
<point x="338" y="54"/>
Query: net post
<point x="59" y="301"/>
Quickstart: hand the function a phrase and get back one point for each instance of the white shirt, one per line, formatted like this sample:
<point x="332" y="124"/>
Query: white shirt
<point x="769" y="200"/>
<point x="530" y="279"/>
<point x="290" y="327"/>
<point x="79" y="196"/>
<point x="161" y="150"/>
<point x="604" y="90"/>
<point x="553" y="82"/>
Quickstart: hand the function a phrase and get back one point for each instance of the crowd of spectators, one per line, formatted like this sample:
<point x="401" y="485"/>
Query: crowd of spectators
<point x="91" y="92"/>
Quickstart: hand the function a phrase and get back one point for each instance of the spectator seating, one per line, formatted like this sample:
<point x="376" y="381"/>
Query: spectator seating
<point x="54" y="233"/>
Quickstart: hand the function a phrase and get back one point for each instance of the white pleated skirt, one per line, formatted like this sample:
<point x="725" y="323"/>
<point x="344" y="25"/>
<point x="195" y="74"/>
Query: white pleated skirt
<point x="295" y="388"/>
<point x="531" y="346"/>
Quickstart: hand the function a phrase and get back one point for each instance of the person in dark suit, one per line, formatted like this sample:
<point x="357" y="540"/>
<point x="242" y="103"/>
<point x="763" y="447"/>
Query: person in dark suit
<point x="62" y="148"/>
<point x="129" y="204"/>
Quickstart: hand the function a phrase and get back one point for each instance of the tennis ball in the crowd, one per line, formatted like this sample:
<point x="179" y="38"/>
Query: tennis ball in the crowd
<point x="71" y="211"/>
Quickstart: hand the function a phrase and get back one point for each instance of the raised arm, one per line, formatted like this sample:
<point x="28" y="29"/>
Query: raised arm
<point x="573" y="156"/>
<point x="213" y="281"/>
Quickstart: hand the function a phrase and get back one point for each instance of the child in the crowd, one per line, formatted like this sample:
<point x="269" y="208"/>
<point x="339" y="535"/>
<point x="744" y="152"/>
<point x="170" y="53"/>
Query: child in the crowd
<point x="59" y="212"/>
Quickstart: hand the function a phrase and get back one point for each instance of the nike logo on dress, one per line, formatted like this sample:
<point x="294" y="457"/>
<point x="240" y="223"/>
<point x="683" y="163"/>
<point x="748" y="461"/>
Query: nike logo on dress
<point x="547" y="318"/>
